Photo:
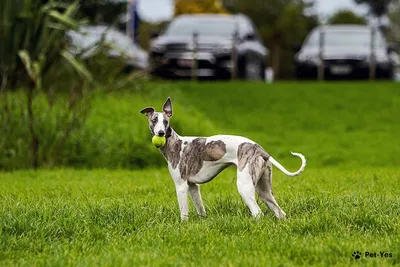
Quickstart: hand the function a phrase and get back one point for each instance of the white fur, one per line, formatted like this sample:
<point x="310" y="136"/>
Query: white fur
<point x="160" y="124"/>
<point x="280" y="167"/>
<point x="245" y="183"/>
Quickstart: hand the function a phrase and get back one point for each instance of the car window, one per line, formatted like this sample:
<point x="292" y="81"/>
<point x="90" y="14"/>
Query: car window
<point x="345" y="38"/>
<point x="203" y="26"/>
<point x="244" y="27"/>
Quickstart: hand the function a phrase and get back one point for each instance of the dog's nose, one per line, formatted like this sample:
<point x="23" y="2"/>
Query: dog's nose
<point x="161" y="133"/>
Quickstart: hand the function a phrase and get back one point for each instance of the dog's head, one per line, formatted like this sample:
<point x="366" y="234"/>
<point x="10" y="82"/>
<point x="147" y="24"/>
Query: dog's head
<point x="159" y="121"/>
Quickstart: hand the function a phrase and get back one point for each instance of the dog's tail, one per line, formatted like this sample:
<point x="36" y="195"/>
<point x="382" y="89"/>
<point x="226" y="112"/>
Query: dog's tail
<point x="280" y="167"/>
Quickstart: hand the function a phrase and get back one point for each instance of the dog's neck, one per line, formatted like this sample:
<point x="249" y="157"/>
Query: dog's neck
<point x="172" y="137"/>
<point x="172" y="148"/>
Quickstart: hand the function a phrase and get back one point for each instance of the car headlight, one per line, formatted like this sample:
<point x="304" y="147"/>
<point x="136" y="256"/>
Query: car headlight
<point x="158" y="48"/>
<point x="222" y="49"/>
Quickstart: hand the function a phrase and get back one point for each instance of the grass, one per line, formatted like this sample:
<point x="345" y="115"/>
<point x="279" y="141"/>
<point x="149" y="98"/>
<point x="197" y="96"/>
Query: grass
<point x="346" y="200"/>
<point x="334" y="124"/>
<point x="125" y="218"/>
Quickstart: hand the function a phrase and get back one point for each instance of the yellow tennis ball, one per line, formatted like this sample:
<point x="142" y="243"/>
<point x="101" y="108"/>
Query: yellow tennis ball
<point x="158" y="141"/>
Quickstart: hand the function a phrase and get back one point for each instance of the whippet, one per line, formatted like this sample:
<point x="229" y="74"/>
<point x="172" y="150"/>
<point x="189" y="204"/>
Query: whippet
<point x="197" y="160"/>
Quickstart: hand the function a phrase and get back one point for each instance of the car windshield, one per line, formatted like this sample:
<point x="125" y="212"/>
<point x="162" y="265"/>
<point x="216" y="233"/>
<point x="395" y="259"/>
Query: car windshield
<point x="345" y="38"/>
<point x="222" y="27"/>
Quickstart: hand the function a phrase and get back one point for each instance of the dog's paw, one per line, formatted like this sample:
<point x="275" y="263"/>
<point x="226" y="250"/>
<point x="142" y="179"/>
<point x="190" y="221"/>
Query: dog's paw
<point x="184" y="218"/>
<point x="281" y="215"/>
<point x="356" y="255"/>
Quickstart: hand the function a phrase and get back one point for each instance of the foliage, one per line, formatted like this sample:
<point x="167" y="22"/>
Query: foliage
<point x="125" y="218"/>
<point x="198" y="6"/>
<point x="281" y="24"/>
<point x="329" y="123"/>
<point x="102" y="11"/>
<point x="146" y="29"/>
<point x="377" y="7"/>
<point x="346" y="17"/>
<point x="34" y="56"/>
<point x="394" y="16"/>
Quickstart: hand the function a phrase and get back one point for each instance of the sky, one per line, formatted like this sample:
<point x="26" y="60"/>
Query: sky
<point x="156" y="10"/>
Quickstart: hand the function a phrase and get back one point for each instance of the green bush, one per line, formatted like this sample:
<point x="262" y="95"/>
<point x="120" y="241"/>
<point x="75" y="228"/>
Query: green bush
<point x="34" y="56"/>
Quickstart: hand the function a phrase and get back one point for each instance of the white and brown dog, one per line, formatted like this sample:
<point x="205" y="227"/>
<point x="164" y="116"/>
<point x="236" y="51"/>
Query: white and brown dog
<point x="197" y="160"/>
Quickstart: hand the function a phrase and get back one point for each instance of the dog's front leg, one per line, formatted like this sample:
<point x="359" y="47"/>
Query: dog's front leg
<point x="182" y="193"/>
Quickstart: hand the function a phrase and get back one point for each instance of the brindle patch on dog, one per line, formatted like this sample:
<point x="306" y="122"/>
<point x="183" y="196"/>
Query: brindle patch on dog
<point x="195" y="153"/>
<point x="254" y="156"/>
<point x="172" y="150"/>
<point x="153" y="119"/>
<point x="213" y="151"/>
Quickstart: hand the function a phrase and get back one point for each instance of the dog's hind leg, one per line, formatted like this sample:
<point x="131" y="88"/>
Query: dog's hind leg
<point x="264" y="190"/>
<point x="246" y="190"/>
<point x="194" y="191"/>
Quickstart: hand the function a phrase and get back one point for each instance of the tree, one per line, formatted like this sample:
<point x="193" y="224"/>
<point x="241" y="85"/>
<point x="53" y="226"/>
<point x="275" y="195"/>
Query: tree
<point x="378" y="8"/>
<point x="101" y="11"/>
<point x="281" y="24"/>
<point x="394" y="16"/>
<point x="198" y="6"/>
<point x="346" y="17"/>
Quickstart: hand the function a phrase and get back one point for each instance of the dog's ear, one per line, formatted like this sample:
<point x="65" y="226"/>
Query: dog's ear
<point x="167" y="107"/>
<point x="148" y="111"/>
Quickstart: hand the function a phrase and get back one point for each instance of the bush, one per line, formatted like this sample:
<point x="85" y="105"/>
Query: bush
<point x="113" y="135"/>
<point x="35" y="58"/>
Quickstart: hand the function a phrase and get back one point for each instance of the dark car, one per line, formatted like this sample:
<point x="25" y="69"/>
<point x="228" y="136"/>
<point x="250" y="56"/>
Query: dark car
<point x="171" y="52"/>
<point x="87" y="40"/>
<point x="346" y="53"/>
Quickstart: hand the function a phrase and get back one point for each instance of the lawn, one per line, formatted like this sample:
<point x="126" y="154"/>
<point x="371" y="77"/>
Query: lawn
<point x="347" y="199"/>
<point x="126" y="218"/>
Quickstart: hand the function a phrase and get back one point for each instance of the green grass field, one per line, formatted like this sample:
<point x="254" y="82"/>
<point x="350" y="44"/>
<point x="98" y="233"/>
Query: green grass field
<point x="347" y="199"/>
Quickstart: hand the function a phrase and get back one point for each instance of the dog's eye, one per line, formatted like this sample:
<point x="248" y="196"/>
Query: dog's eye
<point x="154" y="120"/>
<point x="165" y="122"/>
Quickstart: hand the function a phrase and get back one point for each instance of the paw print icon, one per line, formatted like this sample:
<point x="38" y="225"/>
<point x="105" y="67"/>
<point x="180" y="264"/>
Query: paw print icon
<point x="356" y="255"/>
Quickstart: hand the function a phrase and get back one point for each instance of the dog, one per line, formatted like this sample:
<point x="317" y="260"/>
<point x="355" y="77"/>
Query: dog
<point x="197" y="160"/>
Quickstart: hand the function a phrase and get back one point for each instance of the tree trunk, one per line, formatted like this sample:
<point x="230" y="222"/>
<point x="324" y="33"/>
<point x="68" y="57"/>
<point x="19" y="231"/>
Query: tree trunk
<point x="276" y="58"/>
<point x="31" y="121"/>
<point x="4" y="77"/>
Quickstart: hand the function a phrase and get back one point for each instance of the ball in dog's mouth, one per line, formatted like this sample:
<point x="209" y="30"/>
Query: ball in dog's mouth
<point x="158" y="141"/>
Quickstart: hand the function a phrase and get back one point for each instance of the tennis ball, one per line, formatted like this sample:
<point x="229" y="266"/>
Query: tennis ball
<point x="158" y="141"/>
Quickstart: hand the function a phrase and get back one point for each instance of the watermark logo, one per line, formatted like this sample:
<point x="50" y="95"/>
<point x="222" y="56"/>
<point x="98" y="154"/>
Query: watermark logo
<point x="356" y="255"/>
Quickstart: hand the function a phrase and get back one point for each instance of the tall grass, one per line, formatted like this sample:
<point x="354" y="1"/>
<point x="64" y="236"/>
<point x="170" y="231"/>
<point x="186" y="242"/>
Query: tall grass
<point x="33" y="56"/>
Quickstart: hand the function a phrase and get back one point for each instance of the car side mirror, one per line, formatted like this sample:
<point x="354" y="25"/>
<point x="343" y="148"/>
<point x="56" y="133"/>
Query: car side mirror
<point x="392" y="48"/>
<point x="296" y="48"/>
<point x="154" y="34"/>
<point x="250" y="37"/>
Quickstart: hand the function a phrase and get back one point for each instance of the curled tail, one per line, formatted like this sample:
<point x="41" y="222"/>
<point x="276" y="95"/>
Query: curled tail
<point x="280" y="167"/>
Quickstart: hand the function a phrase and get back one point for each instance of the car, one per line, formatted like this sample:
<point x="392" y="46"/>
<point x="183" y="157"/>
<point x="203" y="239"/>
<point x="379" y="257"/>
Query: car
<point x="87" y="40"/>
<point x="171" y="51"/>
<point x="346" y="53"/>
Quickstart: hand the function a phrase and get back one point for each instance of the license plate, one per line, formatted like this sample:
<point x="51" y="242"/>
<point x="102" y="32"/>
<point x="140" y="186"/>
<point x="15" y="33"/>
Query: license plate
<point x="185" y="63"/>
<point x="200" y="72"/>
<point x="205" y="72"/>
<point x="341" y="69"/>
